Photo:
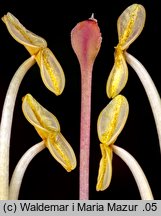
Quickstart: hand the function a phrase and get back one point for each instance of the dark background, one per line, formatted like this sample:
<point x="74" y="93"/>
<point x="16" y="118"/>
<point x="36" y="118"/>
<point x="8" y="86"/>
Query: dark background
<point x="54" y="20"/>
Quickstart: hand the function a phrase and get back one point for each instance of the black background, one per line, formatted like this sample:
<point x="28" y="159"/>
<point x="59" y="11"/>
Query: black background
<point x="54" y="20"/>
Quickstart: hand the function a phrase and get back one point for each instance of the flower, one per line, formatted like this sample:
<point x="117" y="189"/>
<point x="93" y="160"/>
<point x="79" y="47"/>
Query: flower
<point x="47" y="126"/>
<point x="129" y="25"/>
<point x="51" y="71"/>
<point x="110" y="124"/>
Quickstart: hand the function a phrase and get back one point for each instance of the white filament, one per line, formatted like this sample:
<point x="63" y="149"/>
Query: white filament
<point x="6" y="123"/>
<point x="20" y="169"/>
<point x="140" y="178"/>
<point x="150" y="88"/>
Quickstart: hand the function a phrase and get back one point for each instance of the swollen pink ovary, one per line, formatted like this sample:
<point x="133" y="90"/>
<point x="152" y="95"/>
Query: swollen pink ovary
<point x="86" y="42"/>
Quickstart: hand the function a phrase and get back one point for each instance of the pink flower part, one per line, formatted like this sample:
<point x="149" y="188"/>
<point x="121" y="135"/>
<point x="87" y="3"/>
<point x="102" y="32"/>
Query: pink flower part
<point x="86" y="41"/>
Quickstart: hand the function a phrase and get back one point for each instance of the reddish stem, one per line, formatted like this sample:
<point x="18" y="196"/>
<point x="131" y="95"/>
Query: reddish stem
<point x="86" y="79"/>
<point x="86" y="41"/>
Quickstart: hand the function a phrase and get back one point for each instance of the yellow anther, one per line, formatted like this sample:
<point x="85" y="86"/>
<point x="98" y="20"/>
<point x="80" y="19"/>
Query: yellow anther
<point x="51" y="72"/>
<point x="31" y="41"/>
<point x="47" y="126"/>
<point x="118" y="76"/>
<point x="105" y="168"/>
<point x="112" y="120"/>
<point x="130" y="24"/>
